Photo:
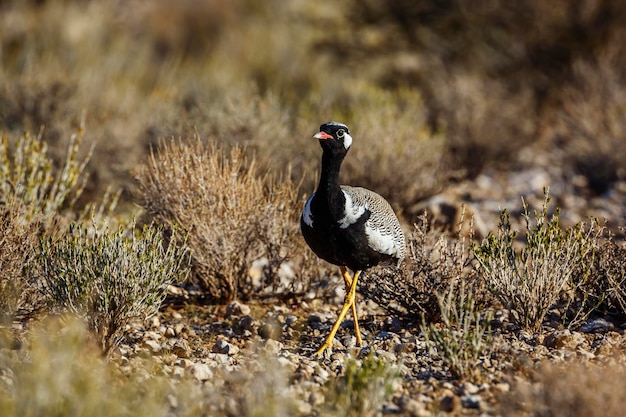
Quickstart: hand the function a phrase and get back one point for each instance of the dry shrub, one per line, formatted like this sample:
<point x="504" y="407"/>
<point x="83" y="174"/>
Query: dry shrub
<point x="573" y="390"/>
<point x="233" y="215"/>
<point x="434" y="263"/>
<point x="608" y="289"/>
<point x="18" y="244"/>
<point x="438" y="283"/>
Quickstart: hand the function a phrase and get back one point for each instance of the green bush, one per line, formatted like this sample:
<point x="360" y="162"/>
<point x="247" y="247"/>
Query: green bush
<point x="33" y="194"/>
<point x="530" y="280"/>
<point x="28" y="175"/>
<point x="463" y="336"/>
<point x="109" y="278"/>
<point x="362" y="389"/>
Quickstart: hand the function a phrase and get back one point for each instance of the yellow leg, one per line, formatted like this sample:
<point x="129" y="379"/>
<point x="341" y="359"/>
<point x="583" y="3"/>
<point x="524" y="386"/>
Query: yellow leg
<point x="348" y="302"/>
<point x="348" y="280"/>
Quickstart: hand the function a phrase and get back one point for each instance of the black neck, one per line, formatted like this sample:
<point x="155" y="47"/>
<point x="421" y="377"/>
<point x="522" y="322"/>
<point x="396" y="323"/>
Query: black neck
<point x="329" y="179"/>
<point x="329" y="189"/>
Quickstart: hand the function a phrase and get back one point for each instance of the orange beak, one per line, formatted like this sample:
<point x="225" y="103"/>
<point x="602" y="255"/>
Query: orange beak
<point x="322" y="135"/>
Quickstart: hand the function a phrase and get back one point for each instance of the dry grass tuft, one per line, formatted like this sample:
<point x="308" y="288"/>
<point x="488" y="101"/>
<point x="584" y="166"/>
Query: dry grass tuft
<point x="62" y="373"/>
<point x="18" y="243"/>
<point x="234" y="217"/>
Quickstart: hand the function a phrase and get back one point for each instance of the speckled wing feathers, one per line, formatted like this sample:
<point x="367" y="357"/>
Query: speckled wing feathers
<point x="382" y="228"/>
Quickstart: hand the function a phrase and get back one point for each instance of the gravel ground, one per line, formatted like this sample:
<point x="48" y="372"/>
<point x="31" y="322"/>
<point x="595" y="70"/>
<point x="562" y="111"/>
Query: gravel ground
<point x="202" y="342"/>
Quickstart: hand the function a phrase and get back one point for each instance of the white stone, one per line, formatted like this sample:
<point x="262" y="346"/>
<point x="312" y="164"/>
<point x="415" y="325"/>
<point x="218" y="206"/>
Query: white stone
<point x="201" y="372"/>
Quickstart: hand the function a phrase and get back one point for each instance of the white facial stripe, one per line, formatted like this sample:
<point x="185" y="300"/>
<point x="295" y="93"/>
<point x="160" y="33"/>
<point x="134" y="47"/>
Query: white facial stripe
<point x="347" y="140"/>
<point x="307" y="215"/>
<point x="353" y="212"/>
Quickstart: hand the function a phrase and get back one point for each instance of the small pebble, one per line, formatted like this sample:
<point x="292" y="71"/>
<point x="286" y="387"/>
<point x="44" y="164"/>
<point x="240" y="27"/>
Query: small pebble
<point x="224" y="347"/>
<point x="235" y="308"/>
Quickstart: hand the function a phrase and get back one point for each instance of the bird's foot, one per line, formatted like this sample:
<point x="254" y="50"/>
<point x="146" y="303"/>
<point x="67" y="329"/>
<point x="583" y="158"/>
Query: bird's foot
<point x="357" y="333"/>
<point x="324" y="348"/>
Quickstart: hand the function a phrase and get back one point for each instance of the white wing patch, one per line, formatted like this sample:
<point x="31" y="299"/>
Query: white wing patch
<point x="380" y="242"/>
<point x="353" y="211"/>
<point x="307" y="215"/>
<point x="382" y="228"/>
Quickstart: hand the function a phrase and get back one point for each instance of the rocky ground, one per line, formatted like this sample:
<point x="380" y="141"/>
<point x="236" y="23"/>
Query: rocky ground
<point x="203" y="342"/>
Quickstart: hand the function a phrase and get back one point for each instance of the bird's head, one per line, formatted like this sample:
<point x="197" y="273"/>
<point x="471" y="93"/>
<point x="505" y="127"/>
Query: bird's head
<point x="334" y="136"/>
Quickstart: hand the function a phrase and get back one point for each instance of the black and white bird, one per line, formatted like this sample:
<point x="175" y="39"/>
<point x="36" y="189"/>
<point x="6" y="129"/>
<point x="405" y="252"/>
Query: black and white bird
<point x="351" y="227"/>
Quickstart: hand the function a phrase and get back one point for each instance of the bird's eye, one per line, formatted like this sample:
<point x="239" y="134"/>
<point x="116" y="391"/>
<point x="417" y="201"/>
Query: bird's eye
<point x="341" y="133"/>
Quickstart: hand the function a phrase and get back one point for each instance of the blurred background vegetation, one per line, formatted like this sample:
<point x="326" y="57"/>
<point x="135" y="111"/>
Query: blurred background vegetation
<point x="435" y="92"/>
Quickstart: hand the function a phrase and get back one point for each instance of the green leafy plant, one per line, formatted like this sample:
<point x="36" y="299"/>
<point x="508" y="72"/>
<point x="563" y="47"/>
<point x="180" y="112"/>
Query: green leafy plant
<point x="529" y="280"/>
<point x="109" y="278"/>
<point x="463" y="335"/>
<point x="28" y="175"/>
<point x="362" y="389"/>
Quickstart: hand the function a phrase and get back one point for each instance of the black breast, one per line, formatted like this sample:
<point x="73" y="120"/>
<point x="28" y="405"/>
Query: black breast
<point x="341" y="246"/>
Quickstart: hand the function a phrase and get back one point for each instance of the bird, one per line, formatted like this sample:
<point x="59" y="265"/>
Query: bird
<point x="351" y="227"/>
